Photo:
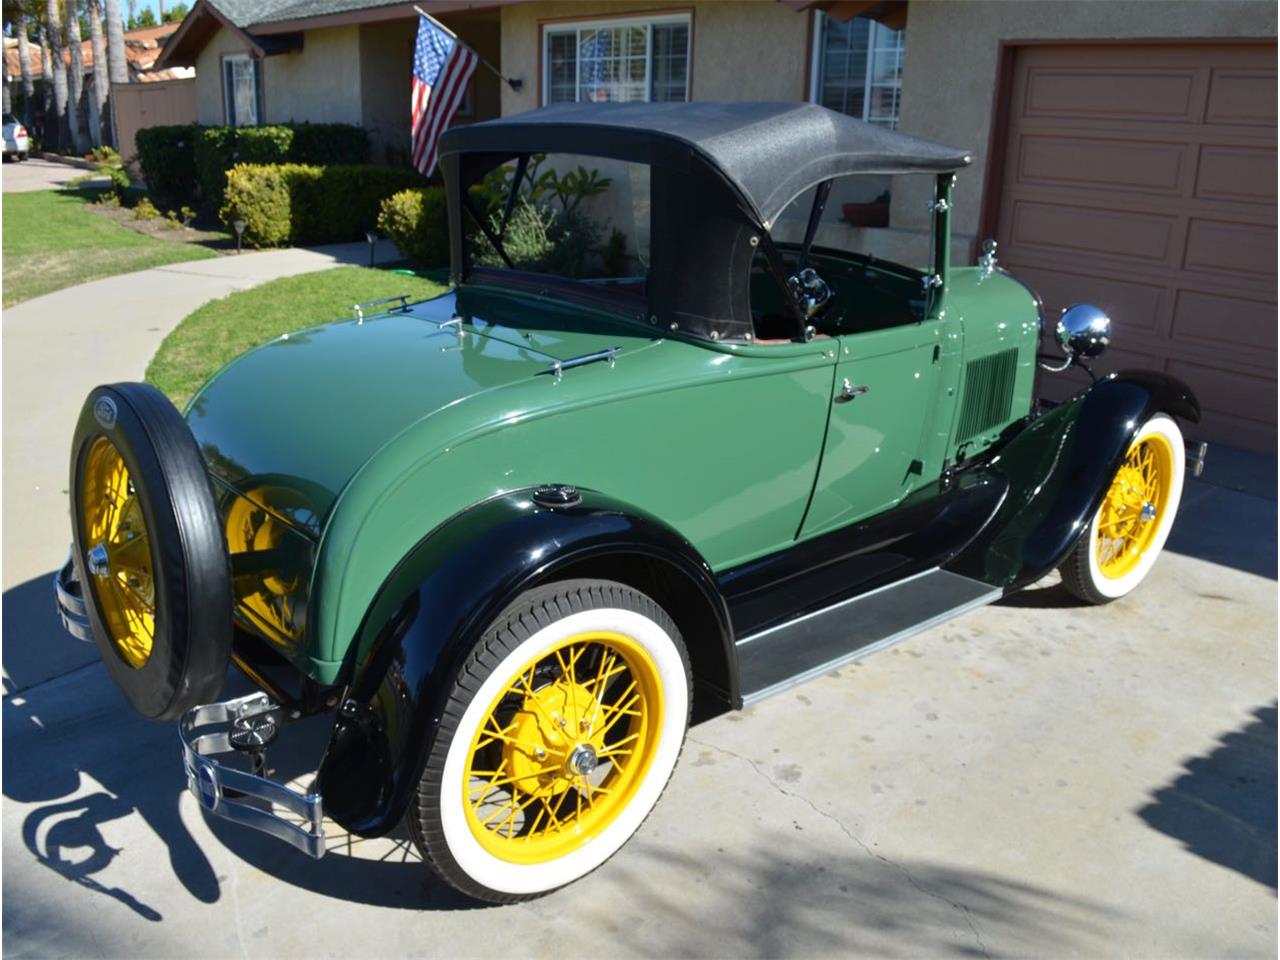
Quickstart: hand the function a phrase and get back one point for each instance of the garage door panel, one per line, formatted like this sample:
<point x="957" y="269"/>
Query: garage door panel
<point x="1242" y="97"/>
<point x="1111" y="94"/>
<point x="1101" y="162"/>
<point x="1241" y="248"/>
<point x="1241" y="173"/>
<point x="1141" y="177"/>
<point x="1132" y="306"/>
<point x="1224" y="322"/>
<point x="1088" y="230"/>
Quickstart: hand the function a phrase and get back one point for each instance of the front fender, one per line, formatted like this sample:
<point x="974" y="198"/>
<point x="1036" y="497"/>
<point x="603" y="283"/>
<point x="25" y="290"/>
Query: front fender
<point x="1059" y="468"/>
<point x="433" y="608"/>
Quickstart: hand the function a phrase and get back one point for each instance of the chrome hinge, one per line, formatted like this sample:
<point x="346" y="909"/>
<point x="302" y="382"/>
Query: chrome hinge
<point x="930" y="280"/>
<point x="558" y="367"/>
<point x="360" y="308"/>
<point x="940" y="205"/>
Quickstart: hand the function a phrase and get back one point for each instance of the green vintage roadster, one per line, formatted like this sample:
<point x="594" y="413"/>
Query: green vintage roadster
<point x="514" y="537"/>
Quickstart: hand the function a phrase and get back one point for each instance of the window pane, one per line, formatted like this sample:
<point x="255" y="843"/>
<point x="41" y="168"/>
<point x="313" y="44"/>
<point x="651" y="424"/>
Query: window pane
<point x="242" y="92"/>
<point x="844" y="81"/>
<point x="670" y="62"/>
<point x="562" y="66"/>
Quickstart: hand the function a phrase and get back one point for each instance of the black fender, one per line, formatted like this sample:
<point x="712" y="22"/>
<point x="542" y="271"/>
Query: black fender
<point x="437" y="603"/>
<point x="1058" y="469"/>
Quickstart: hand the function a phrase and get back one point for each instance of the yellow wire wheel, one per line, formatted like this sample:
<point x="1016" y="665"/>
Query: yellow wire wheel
<point x="564" y="729"/>
<point x="119" y="552"/>
<point x="1133" y="521"/>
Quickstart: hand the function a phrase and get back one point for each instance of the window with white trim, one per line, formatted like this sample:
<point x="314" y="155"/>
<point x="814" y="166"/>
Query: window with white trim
<point x="621" y="60"/>
<point x="858" y="69"/>
<point x="242" y="90"/>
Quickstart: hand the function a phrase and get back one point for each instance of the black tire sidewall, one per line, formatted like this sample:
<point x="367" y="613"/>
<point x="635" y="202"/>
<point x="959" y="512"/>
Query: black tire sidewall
<point x="191" y="647"/>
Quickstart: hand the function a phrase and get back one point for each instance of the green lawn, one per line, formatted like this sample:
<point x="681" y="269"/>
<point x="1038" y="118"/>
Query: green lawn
<point x="51" y="241"/>
<point x="223" y="329"/>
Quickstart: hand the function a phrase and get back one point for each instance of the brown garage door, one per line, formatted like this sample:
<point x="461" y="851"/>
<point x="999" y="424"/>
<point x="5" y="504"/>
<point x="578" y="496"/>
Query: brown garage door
<point x="1143" y="178"/>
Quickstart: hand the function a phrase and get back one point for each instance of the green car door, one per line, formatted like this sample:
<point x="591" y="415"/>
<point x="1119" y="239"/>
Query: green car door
<point x="885" y="412"/>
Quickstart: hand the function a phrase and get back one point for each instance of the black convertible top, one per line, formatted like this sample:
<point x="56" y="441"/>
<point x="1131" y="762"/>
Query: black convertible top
<point x="769" y="151"/>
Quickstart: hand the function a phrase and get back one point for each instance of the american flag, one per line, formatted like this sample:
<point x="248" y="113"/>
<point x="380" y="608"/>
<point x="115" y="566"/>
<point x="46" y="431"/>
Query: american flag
<point x="442" y="68"/>
<point x="593" y="68"/>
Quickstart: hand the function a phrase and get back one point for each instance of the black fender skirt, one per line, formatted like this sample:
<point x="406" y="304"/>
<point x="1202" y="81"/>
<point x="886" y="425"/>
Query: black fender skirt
<point x="436" y="605"/>
<point x="1058" y="468"/>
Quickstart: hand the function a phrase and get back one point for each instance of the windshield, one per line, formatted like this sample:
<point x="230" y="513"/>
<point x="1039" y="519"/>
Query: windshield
<point x="562" y="216"/>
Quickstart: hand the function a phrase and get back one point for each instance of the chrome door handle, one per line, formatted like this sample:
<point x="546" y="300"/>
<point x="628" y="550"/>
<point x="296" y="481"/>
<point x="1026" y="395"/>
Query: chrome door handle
<point x="848" y="391"/>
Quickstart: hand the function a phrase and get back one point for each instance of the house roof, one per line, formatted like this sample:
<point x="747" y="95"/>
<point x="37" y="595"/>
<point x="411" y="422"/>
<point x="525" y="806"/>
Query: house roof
<point x="770" y="152"/>
<point x="141" y="49"/>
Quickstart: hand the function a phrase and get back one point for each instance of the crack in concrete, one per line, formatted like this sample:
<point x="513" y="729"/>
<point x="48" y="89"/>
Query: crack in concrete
<point x="18" y="691"/>
<point x="843" y="827"/>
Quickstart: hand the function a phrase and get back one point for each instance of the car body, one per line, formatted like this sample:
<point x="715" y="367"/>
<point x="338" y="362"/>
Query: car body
<point x="16" y="143"/>
<point x="762" y="459"/>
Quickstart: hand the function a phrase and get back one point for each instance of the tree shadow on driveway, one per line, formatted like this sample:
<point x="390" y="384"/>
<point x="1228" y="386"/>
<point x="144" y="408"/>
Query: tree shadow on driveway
<point x="1223" y="808"/>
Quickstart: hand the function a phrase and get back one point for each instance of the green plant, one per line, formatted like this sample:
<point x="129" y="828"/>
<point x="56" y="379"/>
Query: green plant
<point x="298" y="203"/>
<point x="144" y="209"/>
<point x="109" y="200"/>
<point x="540" y="239"/>
<point x="186" y="214"/>
<point x="614" y="255"/>
<point x="538" y="185"/>
<point x="105" y="154"/>
<point x="120" y="182"/>
<point x="417" y="220"/>
<point x="218" y="149"/>
<point x="329" y="143"/>
<point x="166" y="156"/>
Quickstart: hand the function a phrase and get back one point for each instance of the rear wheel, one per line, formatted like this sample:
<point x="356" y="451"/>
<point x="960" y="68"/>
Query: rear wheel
<point x="1131" y="526"/>
<point x="557" y="740"/>
<point x="149" y="550"/>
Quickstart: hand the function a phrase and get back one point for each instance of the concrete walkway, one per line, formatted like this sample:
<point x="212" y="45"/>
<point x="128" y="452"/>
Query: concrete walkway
<point x="37" y="174"/>
<point x="1034" y="779"/>
<point x="60" y="346"/>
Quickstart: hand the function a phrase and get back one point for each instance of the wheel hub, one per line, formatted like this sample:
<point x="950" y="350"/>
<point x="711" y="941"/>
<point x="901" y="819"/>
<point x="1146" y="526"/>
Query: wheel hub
<point x="553" y="740"/>
<point x="583" y="761"/>
<point x="99" y="561"/>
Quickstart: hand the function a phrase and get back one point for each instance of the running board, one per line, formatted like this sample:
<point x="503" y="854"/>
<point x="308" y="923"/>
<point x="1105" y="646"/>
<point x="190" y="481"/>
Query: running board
<point x="791" y="653"/>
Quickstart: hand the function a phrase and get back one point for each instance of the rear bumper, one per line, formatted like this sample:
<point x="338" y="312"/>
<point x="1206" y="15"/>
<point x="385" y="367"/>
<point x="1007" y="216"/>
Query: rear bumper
<point x="71" y="609"/>
<point x="245" y="798"/>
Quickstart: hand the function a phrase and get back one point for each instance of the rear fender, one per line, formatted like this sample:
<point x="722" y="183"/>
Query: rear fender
<point x="436" y="605"/>
<point x="1058" y="469"/>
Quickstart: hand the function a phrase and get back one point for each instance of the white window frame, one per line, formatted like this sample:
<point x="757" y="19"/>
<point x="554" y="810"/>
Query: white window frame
<point x="228" y="100"/>
<point x="815" y="71"/>
<point x="646" y="21"/>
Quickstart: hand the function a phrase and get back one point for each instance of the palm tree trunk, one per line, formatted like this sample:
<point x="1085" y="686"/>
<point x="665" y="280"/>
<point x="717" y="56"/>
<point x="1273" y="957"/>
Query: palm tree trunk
<point x="56" y="68"/>
<point x="117" y="67"/>
<point x="24" y="64"/>
<point x="101" y="83"/>
<point x="49" y="122"/>
<point x="76" y="91"/>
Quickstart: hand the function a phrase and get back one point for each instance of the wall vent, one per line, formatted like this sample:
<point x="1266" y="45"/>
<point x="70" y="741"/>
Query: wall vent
<point x="988" y="393"/>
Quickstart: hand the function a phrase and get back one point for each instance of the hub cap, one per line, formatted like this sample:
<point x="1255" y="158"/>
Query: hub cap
<point x="563" y="748"/>
<point x="1138" y="496"/>
<point x="120" y="560"/>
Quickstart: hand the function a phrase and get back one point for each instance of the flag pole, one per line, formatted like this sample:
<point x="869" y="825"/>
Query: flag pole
<point x="516" y="85"/>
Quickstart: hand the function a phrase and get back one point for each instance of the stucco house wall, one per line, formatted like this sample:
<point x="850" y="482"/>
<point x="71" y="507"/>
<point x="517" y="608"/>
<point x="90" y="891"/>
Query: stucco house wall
<point x="742" y="49"/>
<point x="320" y="83"/>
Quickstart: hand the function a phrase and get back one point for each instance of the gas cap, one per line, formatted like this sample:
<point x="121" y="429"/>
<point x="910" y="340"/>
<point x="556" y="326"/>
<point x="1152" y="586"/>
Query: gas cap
<point x="556" y="495"/>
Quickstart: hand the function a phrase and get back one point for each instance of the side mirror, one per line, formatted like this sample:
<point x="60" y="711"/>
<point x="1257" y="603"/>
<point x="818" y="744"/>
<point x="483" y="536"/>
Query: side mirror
<point x="1084" y="331"/>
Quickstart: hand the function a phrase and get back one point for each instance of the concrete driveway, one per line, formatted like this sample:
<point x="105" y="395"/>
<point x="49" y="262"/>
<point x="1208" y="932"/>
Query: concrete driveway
<point x="1033" y="779"/>
<point x="37" y="174"/>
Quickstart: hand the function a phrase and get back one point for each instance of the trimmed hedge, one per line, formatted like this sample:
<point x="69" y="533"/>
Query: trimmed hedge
<point x="167" y="158"/>
<point x="417" y="221"/>
<point x="177" y="160"/>
<point x="303" y="204"/>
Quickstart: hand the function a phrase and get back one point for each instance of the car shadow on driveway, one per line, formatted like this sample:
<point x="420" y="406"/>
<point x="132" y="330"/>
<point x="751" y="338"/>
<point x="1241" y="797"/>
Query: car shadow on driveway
<point x="67" y="729"/>
<point x="1223" y="807"/>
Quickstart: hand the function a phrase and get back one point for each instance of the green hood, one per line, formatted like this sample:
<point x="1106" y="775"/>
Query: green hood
<point x="304" y="412"/>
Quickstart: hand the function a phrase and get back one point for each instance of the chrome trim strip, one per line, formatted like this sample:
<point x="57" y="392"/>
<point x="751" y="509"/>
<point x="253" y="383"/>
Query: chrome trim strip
<point x="835" y="606"/>
<point x="1197" y="451"/>
<point x="210" y="782"/>
<point x="871" y="648"/>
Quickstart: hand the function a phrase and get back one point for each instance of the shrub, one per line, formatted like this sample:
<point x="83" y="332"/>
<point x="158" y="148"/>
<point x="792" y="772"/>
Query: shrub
<point x="417" y="221"/>
<point x="218" y="149"/>
<point x="167" y="158"/>
<point x="329" y="143"/>
<point x="119" y="178"/>
<point x="298" y="203"/>
<point x="541" y="239"/>
<point x="144" y="209"/>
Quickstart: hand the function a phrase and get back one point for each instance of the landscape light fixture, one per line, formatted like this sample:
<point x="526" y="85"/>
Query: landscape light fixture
<point x="372" y="237"/>
<point x="239" y="225"/>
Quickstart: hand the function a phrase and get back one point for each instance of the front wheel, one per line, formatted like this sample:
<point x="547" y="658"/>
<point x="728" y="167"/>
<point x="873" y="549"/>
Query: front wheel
<point x="557" y="740"/>
<point x="1132" y="524"/>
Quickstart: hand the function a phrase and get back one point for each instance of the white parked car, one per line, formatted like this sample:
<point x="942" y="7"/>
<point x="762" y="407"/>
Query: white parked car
<point x="15" y="138"/>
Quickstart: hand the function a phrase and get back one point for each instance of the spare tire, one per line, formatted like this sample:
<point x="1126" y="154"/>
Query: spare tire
<point x="149" y="549"/>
